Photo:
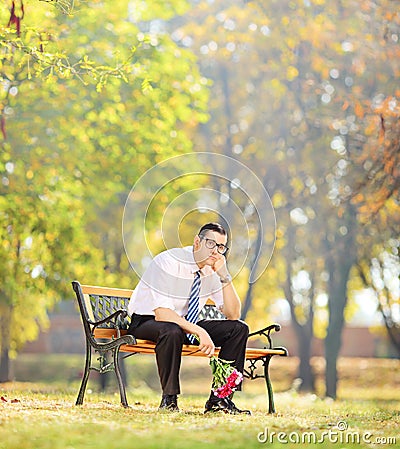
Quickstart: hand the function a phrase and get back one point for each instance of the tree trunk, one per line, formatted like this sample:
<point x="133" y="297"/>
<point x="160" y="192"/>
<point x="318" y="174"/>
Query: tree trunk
<point x="247" y="301"/>
<point x="341" y="258"/>
<point x="303" y="330"/>
<point x="4" y="365"/>
<point x="304" y="334"/>
<point x="5" y="368"/>
<point x="305" y="371"/>
<point x="393" y="331"/>
<point x="333" y="342"/>
<point x="385" y="309"/>
<point x="388" y="315"/>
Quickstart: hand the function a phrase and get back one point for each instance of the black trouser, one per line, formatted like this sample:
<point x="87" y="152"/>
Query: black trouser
<point x="229" y="335"/>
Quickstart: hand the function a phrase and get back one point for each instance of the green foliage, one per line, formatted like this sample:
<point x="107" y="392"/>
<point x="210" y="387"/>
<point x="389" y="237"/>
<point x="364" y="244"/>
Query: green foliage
<point x="89" y="102"/>
<point x="304" y="93"/>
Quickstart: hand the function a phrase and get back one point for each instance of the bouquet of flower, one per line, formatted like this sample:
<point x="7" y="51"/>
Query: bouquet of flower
<point x="226" y="378"/>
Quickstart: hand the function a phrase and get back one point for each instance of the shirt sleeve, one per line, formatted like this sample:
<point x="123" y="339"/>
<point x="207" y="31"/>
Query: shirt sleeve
<point x="159" y="279"/>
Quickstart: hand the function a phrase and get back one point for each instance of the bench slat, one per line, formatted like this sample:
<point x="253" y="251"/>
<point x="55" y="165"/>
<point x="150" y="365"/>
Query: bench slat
<point x="106" y="291"/>
<point x="147" y="347"/>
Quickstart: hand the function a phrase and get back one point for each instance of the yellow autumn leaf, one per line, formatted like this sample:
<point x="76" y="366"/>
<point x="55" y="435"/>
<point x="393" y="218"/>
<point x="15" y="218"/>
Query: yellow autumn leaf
<point x="292" y="73"/>
<point x="291" y="42"/>
<point x="285" y="20"/>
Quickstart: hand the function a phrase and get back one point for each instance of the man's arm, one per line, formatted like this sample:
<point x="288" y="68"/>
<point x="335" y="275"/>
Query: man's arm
<point x="232" y="305"/>
<point x="206" y="344"/>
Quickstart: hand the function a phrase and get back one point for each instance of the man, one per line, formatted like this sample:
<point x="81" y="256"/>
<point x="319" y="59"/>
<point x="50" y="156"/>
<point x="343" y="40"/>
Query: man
<point x="162" y="310"/>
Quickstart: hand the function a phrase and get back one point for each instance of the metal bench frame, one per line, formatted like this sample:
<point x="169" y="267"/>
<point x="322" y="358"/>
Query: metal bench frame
<point x="105" y="321"/>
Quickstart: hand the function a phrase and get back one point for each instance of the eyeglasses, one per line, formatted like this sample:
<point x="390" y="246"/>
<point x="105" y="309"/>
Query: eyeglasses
<point x="211" y="244"/>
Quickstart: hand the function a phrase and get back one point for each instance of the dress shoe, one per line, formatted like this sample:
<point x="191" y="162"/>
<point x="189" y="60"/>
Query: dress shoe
<point x="169" y="402"/>
<point x="226" y="405"/>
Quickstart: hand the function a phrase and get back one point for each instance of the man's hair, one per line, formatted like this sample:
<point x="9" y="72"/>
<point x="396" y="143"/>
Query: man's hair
<point x="215" y="227"/>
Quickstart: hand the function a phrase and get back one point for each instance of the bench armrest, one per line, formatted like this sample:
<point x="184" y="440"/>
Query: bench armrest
<point x="265" y="332"/>
<point x="112" y="319"/>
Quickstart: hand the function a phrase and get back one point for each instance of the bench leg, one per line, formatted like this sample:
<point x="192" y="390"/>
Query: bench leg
<point x="85" y="377"/>
<point x="271" y="405"/>
<point x="120" y="381"/>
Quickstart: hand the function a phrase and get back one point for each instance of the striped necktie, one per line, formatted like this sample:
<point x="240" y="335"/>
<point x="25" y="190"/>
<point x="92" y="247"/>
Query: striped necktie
<point x="193" y="307"/>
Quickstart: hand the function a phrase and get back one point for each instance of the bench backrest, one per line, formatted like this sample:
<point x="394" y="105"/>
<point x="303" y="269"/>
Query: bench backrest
<point x="97" y="303"/>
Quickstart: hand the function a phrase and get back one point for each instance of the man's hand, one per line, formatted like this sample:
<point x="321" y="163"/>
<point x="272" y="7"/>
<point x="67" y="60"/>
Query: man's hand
<point x="231" y="308"/>
<point x="220" y="265"/>
<point x="206" y="345"/>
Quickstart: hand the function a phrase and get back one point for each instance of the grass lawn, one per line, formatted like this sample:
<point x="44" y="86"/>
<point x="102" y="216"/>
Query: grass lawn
<point x="42" y="414"/>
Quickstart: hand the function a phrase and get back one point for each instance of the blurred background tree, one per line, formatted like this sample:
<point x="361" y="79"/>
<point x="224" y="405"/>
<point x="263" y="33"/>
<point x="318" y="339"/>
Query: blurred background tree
<point x="83" y="115"/>
<point x="304" y="92"/>
<point x="296" y="95"/>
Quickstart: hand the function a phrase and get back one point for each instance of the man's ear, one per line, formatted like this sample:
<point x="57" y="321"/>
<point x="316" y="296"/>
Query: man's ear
<point x="196" y="243"/>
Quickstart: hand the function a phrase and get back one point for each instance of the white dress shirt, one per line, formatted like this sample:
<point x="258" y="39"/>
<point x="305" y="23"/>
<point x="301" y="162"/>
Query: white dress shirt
<point x="167" y="283"/>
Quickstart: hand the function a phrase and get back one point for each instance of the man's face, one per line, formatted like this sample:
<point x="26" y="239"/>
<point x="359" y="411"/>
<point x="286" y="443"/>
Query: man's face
<point x="204" y="255"/>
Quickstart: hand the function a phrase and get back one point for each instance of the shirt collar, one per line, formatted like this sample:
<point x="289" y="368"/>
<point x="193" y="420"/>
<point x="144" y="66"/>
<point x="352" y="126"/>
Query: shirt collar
<point x="193" y="265"/>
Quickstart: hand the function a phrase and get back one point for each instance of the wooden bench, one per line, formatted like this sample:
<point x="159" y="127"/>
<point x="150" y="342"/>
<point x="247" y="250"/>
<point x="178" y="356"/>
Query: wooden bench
<point x="105" y="321"/>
